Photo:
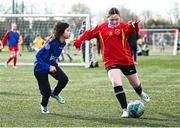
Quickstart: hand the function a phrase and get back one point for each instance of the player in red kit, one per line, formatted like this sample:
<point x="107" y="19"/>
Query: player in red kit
<point x="116" y="54"/>
<point x="12" y="39"/>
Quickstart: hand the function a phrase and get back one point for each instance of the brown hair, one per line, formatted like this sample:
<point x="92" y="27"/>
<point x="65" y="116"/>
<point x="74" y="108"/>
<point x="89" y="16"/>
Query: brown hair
<point x="58" y="30"/>
<point x="113" y="11"/>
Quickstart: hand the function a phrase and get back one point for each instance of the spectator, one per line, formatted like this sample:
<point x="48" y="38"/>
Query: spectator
<point x="162" y="43"/>
<point x="178" y="44"/>
<point x="27" y="41"/>
<point x="145" y="50"/>
<point x="38" y="42"/>
<point x="132" y="39"/>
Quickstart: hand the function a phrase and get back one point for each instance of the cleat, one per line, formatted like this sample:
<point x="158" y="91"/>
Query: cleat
<point x="59" y="99"/>
<point x="125" y="113"/>
<point x="145" y="97"/>
<point x="44" y="110"/>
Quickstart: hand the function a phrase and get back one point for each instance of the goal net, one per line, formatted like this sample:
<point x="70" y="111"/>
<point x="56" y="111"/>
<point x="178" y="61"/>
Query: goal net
<point x="160" y="41"/>
<point x="31" y="26"/>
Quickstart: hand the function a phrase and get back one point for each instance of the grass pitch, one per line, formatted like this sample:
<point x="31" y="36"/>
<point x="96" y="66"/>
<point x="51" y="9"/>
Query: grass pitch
<point x="90" y="101"/>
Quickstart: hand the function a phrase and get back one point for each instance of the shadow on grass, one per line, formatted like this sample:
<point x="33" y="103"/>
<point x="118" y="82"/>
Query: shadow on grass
<point x="161" y="119"/>
<point x="135" y="122"/>
<point x="171" y="117"/>
<point x="13" y="94"/>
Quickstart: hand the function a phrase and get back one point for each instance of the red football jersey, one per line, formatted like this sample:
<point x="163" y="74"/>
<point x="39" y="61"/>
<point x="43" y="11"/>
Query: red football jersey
<point x="113" y="41"/>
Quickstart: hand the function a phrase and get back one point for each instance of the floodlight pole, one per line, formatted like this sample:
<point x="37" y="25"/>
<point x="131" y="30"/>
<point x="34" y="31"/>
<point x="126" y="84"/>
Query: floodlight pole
<point x="13" y="7"/>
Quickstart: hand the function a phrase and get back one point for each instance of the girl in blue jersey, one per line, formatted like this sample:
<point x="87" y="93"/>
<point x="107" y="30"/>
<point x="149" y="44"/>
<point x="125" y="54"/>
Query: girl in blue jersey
<point x="12" y="40"/>
<point x="45" y="64"/>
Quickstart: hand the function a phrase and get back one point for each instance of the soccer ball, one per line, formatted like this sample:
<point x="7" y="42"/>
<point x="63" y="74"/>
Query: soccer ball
<point x="135" y="109"/>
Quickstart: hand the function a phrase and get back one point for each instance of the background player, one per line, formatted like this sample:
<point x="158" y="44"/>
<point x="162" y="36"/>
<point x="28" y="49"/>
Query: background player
<point x="12" y="39"/>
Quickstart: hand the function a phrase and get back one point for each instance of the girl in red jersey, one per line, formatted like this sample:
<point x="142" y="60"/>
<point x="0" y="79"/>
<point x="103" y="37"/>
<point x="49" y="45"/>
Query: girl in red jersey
<point x="12" y="39"/>
<point x="116" y="54"/>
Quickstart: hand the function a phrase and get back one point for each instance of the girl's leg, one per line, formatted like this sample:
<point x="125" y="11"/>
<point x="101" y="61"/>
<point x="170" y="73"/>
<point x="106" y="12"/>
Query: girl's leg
<point x="133" y="80"/>
<point x="44" y="88"/>
<point x="136" y="84"/>
<point x="70" y="58"/>
<point x="62" y="56"/>
<point x="15" y="60"/>
<point x="11" y="57"/>
<point x="115" y="78"/>
<point x="62" y="80"/>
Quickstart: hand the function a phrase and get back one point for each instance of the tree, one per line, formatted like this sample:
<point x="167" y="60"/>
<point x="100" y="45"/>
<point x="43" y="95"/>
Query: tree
<point x="19" y="8"/>
<point x="147" y="16"/>
<point x="5" y="9"/>
<point x="78" y="8"/>
<point x="174" y="13"/>
<point x="127" y="15"/>
<point x="158" y="23"/>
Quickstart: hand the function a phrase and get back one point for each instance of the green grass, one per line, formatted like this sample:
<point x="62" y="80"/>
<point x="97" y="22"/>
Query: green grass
<point x="90" y="100"/>
<point x="28" y="57"/>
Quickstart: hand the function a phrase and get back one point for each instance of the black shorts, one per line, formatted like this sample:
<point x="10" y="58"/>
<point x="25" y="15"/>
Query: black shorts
<point x="126" y="70"/>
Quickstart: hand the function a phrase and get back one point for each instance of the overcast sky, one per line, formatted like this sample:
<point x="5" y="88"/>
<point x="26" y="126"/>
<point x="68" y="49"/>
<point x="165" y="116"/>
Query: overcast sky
<point x="136" y="5"/>
<point x="158" y="6"/>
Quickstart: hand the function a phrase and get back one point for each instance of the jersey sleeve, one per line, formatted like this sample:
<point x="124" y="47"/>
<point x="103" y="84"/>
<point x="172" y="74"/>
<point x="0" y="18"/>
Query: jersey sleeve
<point x="4" y="40"/>
<point x="39" y="56"/>
<point x="87" y="35"/>
<point x="130" y="29"/>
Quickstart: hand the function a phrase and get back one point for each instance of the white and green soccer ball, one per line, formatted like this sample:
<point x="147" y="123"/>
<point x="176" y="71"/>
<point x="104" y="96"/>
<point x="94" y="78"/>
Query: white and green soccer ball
<point x="135" y="109"/>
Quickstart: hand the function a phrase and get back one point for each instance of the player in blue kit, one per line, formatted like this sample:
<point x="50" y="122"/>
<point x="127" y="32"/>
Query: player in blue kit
<point x="45" y="64"/>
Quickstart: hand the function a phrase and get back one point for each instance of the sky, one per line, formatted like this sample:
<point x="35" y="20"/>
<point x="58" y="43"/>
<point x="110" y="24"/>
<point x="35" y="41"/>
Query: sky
<point x="160" y="6"/>
<point x="157" y="6"/>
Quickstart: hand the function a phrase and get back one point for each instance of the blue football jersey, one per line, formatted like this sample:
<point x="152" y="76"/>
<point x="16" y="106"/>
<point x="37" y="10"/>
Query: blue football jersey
<point x="48" y="55"/>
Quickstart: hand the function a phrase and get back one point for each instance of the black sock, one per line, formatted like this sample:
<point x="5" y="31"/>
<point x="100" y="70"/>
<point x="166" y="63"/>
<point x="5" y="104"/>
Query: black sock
<point x="120" y="95"/>
<point x="138" y="90"/>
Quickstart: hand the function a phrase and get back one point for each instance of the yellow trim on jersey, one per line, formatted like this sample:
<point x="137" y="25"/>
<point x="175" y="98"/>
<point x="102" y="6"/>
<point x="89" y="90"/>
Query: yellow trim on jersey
<point x="100" y="35"/>
<point x="123" y="38"/>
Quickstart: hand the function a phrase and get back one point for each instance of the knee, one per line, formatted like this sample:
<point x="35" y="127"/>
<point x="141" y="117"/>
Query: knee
<point x="63" y="81"/>
<point x="116" y="83"/>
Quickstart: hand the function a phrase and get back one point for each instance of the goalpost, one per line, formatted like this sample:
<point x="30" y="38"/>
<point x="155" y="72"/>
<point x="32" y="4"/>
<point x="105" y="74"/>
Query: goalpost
<point x="153" y="38"/>
<point x="43" y="24"/>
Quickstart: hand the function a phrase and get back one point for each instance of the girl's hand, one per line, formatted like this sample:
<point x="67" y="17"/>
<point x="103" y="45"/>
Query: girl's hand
<point x="52" y="69"/>
<point x="134" y="23"/>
